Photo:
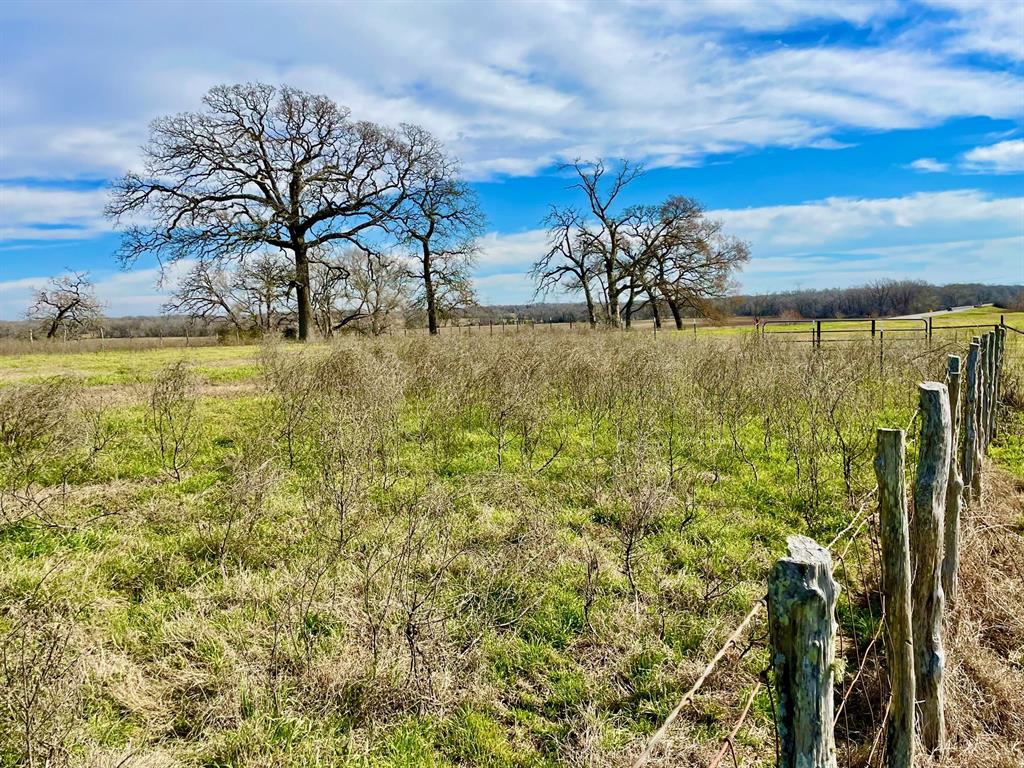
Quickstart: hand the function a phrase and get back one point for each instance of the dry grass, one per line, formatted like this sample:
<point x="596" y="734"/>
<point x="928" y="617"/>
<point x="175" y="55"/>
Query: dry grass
<point x="985" y="634"/>
<point x="545" y="537"/>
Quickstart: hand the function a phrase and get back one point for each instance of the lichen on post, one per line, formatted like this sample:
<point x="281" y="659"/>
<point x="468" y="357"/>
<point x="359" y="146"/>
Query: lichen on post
<point x="890" y="470"/>
<point x="954" y="486"/>
<point x="801" y="602"/>
<point x="927" y="531"/>
<point x="969" y="460"/>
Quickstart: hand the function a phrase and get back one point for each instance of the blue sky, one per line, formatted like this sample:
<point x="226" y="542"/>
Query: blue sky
<point x="846" y="141"/>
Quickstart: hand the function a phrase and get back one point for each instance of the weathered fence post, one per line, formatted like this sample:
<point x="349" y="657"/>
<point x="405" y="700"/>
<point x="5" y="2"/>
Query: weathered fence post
<point x="993" y="377"/>
<point x="801" y="604"/>
<point x="890" y="450"/>
<point x="997" y="385"/>
<point x="926" y="535"/>
<point x="954" y="486"/>
<point x="982" y="396"/>
<point x="971" y="467"/>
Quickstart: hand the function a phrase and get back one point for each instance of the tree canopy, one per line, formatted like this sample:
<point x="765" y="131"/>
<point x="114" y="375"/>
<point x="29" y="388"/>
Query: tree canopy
<point x="626" y="257"/>
<point x="269" y="169"/>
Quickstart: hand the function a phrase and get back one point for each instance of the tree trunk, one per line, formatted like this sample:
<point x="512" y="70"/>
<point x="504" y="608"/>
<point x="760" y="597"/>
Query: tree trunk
<point x="302" y="289"/>
<point x="591" y="316"/>
<point x="676" y="315"/>
<point x="614" y="319"/>
<point x="428" y="291"/>
<point x="654" y="309"/>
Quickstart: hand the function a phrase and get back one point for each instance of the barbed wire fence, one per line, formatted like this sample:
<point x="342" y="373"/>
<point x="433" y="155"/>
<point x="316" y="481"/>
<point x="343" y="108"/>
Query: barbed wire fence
<point x="861" y="729"/>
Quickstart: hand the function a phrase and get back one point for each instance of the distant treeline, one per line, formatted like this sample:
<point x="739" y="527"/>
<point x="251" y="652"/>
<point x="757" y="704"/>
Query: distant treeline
<point x="132" y="326"/>
<point x="879" y="299"/>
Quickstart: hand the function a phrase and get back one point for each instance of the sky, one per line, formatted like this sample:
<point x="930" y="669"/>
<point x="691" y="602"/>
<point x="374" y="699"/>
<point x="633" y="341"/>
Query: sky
<point x="845" y="141"/>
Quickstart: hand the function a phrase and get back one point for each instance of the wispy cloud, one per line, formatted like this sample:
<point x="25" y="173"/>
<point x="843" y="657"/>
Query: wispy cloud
<point x="929" y="165"/>
<point x="924" y="217"/>
<point x="511" y="87"/>
<point x="31" y="212"/>
<point x="1004" y="157"/>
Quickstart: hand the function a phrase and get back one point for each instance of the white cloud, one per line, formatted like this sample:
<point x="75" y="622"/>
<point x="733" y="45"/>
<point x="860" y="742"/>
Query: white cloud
<point x="993" y="27"/>
<point x="929" y="165"/>
<point x="1004" y="157"/>
<point x="984" y="261"/>
<point x="520" y="250"/>
<point x="923" y="217"/>
<point x="509" y="288"/>
<point x="510" y="87"/>
<point x="50" y="213"/>
<point x="956" y="236"/>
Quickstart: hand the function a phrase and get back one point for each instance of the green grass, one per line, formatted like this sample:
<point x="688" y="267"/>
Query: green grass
<point x="249" y="658"/>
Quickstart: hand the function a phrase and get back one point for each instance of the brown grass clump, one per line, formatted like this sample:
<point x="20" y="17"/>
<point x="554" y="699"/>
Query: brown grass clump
<point x="985" y="635"/>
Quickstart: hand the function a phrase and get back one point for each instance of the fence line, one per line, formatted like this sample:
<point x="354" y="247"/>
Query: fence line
<point x="885" y="574"/>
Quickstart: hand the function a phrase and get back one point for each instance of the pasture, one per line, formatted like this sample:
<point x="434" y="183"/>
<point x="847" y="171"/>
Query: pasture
<point x="511" y="549"/>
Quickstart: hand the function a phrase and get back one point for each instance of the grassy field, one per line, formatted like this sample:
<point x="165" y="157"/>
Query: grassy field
<point x="510" y="550"/>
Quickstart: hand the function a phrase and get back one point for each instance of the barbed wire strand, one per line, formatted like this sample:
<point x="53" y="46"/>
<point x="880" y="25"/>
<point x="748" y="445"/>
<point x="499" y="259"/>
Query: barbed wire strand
<point x="689" y="695"/>
<point x="729" y="740"/>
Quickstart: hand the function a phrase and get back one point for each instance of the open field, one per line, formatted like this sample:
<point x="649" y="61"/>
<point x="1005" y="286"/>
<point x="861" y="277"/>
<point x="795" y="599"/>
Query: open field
<point x="507" y="550"/>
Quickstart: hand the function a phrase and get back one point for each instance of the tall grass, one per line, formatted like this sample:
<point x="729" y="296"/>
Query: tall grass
<point x="473" y="550"/>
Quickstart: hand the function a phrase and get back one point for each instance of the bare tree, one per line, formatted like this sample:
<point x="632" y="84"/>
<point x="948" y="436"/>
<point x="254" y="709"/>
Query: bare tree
<point x="260" y="167"/>
<point x="643" y="255"/>
<point x="266" y="283"/>
<point x="682" y="257"/>
<point x="441" y="222"/>
<point x="67" y="303"/>
<point x="253" y="294"/>
<point x="600" y="236"/>
<point x="607" y="241"/>
<point x="377" y="286"/>
<point x="568" y="261"/>
<point x="357" y="287"/>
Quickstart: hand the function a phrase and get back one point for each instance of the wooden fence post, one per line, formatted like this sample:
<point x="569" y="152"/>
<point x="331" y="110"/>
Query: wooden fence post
<point x="926" y="534"/>
<point x="982" y="396"/>
<point x="890" y="450"/>
<point x="969" y="463"/>
<point x="992" y="359"/>
<point x="954" y="486"/>
<point x="997" y="386"/>
<point x="801" y="604"/>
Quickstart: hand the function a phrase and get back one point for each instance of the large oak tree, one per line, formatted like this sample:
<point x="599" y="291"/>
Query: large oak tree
<point x="263" y="168"/>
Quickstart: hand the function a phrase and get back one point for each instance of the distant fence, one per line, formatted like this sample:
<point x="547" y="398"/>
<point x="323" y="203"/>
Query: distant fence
<point x="880" y="329"/>
<point x="890" y="661"/>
